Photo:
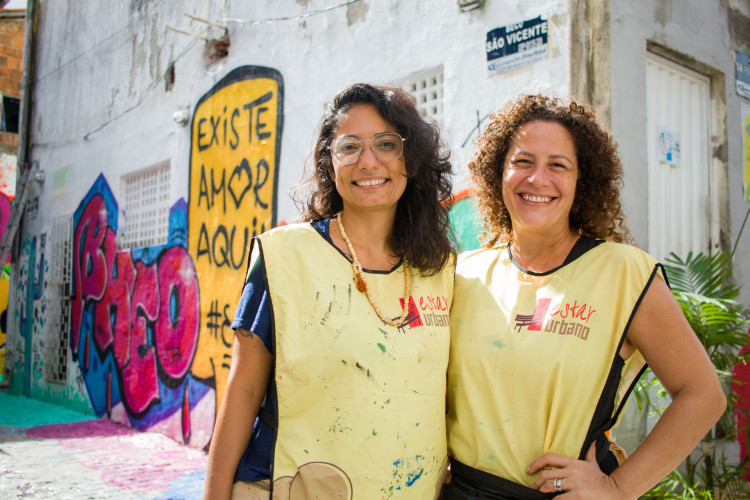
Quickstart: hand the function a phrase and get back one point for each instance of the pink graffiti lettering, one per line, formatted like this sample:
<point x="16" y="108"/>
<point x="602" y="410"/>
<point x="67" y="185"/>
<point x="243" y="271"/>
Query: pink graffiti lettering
<point x="115" y="302"/>
<point x="89" y="263"/>
<point x="177" y="326"/>
<point x="147" y="315"/>
<point x="139" y="374"/>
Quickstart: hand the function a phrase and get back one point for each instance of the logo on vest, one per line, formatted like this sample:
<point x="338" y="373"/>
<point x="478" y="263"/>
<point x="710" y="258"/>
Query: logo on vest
<point x="434" y="312"/>
<point x="561" y="318"/>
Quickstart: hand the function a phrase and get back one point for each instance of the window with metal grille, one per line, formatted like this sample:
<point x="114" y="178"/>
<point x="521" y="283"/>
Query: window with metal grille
<point x="145" y="207"/>
<point x="59" y="248"/>
<point x="427" y="88"/>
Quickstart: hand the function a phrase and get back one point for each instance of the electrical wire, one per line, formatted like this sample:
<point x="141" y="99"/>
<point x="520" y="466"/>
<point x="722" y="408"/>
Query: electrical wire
<point x="161" y="77"/>
<point x="290" y="18"/>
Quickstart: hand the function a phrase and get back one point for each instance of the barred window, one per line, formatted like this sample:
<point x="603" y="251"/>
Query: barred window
<point x="427" y="88"/>
<point x="146" y="207"/>
<point x="56" y="347"/>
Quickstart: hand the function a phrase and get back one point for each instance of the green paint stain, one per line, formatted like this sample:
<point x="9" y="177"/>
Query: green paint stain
<point x="374" y="433"/>
<point x="383" y="331"/>
<point x="497" y="343"/>
<point x="343" y="361"/>
<point x="382" y="347"/>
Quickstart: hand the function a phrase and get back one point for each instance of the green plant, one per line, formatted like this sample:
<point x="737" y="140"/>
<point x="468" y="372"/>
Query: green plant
<point x="707" y="296"/>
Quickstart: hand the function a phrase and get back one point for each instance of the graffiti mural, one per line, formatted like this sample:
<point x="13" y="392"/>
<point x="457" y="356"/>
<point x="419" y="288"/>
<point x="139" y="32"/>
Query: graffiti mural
<point x="135" y="323"/>
<point x="31" y="296"/>
<point x="5" y="206"/>
<point x="465" y="221"/>
<point x="236" y="139"/>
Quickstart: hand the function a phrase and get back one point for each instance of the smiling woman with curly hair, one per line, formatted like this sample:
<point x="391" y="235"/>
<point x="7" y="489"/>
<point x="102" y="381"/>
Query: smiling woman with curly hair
<point x="554" y="320"/>
<point x="596" y="210"/>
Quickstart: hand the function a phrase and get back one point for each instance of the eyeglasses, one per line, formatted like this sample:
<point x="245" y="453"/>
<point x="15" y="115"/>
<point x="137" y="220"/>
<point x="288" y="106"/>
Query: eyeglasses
<point x="386" y="146"/>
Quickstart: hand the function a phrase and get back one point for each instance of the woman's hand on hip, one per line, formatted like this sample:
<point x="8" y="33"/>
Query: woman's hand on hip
<point x="574" y="479"/>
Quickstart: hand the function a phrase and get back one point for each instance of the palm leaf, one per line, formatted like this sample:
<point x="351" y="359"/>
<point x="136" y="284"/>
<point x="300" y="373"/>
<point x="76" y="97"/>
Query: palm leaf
<point x="702" y="274"/>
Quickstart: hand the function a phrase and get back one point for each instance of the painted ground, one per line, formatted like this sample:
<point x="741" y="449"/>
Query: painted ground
<point x="47" y="451"/>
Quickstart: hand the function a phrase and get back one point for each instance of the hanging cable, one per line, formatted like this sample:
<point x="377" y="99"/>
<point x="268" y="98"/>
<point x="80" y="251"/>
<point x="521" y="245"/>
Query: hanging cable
<point x="290" y="18"/>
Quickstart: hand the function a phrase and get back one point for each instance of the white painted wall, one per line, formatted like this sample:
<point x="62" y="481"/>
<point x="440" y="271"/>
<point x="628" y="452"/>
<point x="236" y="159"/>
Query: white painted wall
<point x="101" y="106"/>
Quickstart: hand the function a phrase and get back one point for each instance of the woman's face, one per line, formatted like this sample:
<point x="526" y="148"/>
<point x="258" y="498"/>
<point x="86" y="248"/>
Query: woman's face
<point x="369" y="183"/>
<point x="539" y="178"/>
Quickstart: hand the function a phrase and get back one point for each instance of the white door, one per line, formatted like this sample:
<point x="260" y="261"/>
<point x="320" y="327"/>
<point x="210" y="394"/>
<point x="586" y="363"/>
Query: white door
<point x="678" y="159"/>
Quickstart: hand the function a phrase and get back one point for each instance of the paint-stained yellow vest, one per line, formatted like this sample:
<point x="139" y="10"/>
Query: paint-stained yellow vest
<point x="361" y="404"/>
<point x="530" y="355"/>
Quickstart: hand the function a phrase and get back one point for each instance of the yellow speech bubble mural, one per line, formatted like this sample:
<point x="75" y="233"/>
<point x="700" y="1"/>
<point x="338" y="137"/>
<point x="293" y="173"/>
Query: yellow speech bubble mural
<point x="236" y="139"/>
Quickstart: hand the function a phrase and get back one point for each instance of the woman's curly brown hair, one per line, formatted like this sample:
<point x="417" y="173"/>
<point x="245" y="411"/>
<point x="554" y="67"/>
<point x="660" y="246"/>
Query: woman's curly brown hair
<point x="596" y="210"/>
<point x="421" y="228"/>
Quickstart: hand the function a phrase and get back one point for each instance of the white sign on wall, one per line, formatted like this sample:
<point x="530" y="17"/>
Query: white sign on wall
<point x="516" y="45"/>
<point x="742" y="73"/>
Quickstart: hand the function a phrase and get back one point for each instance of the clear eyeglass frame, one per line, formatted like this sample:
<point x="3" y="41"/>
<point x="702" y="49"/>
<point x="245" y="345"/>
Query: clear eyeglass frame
<point x="343" y="158"/>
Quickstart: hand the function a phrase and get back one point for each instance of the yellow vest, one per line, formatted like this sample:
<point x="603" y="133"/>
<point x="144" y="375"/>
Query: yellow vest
<point x="361" y="405"/>
<point x="530" y="355"/>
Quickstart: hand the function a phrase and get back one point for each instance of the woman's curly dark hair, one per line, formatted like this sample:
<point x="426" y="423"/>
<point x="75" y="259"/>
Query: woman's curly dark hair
<point x="596" y="210"/>
<point x="421" y="228"/>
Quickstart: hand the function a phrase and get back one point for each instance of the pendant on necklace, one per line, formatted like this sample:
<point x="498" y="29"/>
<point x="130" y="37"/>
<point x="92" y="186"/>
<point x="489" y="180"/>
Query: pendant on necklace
<point x="361" y="285"/>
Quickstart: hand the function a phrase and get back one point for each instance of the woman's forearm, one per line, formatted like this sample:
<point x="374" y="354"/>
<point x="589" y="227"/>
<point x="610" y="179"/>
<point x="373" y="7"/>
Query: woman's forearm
<point x="230" y="439"/>
<point x="246" y="388"/>
<point x="686" y="421"/>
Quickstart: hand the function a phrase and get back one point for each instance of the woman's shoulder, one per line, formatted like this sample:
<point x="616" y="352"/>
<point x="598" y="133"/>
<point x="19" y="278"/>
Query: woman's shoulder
<point x="625" y="253"/>
<point x="287" y="230"/>
<point x="477" y="258"/>
<point x="622" y="248"/>
<point x="293" y="238"/>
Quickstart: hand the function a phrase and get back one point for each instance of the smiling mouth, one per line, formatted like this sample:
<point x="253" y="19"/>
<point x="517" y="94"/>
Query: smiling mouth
<point x="536" y="199"/>
<point x="371" y="182"/>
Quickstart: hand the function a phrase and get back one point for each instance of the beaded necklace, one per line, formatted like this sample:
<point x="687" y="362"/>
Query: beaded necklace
<point x="362" y="286"/>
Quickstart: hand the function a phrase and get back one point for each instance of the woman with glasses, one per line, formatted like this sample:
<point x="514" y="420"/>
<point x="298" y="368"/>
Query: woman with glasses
<point x="341" y="345"/>
<point x="555" y="319"/>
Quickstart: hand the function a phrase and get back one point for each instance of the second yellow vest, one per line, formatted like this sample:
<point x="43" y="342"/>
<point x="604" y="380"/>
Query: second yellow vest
<point x="530" y="354"/>
<point x="361" y="410"/>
